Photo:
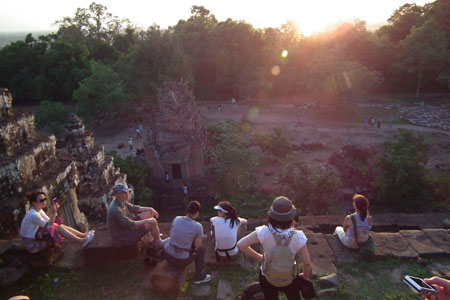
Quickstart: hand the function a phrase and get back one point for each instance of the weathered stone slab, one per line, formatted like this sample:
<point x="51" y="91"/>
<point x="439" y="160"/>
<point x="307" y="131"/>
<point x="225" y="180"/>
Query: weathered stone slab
<point x="322" y="257"/>
<point x="420" y="242"/>
<point x="440" y="237"/>
<point x="436" y="220"/>
<point x="341" y="253"/>
<point x="396" y="244"/>
<point x="378" y="242"/>
<point x="102" y="250"/>
<point x="224" y="290"/>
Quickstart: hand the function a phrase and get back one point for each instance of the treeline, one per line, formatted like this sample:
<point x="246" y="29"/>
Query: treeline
<point x="101" y="62"/>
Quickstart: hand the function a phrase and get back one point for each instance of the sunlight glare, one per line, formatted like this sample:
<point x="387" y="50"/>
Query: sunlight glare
<point x="275" y="70"/>
<point x="284" y="54"/>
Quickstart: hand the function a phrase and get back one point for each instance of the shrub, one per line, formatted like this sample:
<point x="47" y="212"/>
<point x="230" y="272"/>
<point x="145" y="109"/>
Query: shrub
<point x="402" y="177"/>
<point x="275" y="144"/>
<point x="52" y="117"/>
<point x="309" y="191"/>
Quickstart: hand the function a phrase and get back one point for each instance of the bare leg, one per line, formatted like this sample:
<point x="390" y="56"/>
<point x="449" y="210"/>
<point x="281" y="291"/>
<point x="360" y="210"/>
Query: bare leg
<point x="74" y="231"/>
<point x="154" y="231"/>
<point x="69" y="235"/>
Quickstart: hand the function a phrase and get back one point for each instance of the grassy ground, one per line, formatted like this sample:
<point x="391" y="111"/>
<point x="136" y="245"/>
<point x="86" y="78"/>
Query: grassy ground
<point x="373" y="280"/>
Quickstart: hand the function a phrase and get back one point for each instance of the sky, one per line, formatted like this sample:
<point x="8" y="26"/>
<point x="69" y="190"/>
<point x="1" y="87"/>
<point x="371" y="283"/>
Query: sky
<point x="310" y="15"/>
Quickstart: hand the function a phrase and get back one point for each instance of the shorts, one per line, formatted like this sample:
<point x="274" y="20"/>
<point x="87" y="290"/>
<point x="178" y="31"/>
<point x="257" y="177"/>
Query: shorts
<point x="133" y="236"/>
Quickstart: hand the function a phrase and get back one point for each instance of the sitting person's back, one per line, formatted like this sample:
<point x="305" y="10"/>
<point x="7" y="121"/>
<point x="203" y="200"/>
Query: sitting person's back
<point x="363" y="221"/>
<point x="226" y="226"/>
<point x="185" y="243"/>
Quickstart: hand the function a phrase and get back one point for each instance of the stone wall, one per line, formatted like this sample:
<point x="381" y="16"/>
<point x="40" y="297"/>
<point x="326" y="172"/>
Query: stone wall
<point x="72" y="168"/>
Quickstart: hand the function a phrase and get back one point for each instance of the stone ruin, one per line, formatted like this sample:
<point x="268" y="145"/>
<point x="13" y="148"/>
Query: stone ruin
<point x="72" y="168"/>
<point x="177" y="140"/>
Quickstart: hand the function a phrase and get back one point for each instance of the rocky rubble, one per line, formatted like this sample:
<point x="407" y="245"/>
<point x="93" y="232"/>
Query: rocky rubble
<point x="431" y="116"/>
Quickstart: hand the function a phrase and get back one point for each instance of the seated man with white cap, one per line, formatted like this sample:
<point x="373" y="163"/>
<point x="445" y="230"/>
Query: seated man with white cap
<point x="125" y="228"/>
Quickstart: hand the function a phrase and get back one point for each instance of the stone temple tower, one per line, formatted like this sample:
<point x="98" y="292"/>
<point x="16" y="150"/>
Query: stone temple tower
<point x="72" y="168"/>
<point x="177" y="140"/>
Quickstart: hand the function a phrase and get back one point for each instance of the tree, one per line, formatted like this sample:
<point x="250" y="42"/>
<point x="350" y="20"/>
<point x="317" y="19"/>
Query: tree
<point x="20" y="65"/>
<point x="64" y="66"/>
<point x="402" y="178"/>
<point x="330" y="73"/>
<point x="101" y="93"/>
<point x="94" y="23"/>
<point x="425" y="50"/>
<point x="229" y="161"/>
<point x="276" y="144"/>
<point x="52" y="117"/>
<point x="402" y="21"/>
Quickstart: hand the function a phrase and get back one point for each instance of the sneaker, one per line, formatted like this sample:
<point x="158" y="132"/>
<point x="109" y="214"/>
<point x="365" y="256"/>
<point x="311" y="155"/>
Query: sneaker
<point x="90" y="237"/>
<point x="205" y="280"/>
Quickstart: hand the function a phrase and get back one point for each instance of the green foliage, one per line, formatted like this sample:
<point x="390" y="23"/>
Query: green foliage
<point x="439" y="187"/>
<point x="402" y="178"/>
<point x="310" y="191"/>
<point x="135" y="171"/>
<point x="101" y="94"/>
<point x="229" y="161"/>
<point x="52" y="117"/>
<point x="145" y="197"/>
<point x="274" y="144"/>
<point x="425" y="50"/>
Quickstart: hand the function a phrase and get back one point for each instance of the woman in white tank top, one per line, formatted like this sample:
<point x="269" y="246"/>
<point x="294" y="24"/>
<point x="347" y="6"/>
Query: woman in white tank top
<point x="363" y="223"/>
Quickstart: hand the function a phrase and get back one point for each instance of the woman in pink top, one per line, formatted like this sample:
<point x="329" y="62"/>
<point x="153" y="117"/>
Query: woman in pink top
<point x="36" y="225"/>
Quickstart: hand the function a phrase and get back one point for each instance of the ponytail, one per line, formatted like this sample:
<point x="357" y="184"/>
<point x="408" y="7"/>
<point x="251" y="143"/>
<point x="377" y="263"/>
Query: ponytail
<point x="361" y="205"/>
<point x="230" y="214"/>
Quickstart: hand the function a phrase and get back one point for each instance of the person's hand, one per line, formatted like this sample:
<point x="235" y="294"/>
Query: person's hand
<point x="303" y="276"/>
<point x="441" y="285"/>
<point x="154" y="212"/>
<point x="152" y="221"/>
<point x="54" y="207"/>
<point x="260" y="258"/>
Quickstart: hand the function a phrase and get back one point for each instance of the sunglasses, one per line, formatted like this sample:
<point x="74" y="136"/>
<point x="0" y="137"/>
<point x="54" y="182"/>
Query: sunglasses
<point x="42" y="200"/>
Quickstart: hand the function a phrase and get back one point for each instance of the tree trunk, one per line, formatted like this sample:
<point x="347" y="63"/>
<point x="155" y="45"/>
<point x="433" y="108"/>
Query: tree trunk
<point x="419" y="82"/>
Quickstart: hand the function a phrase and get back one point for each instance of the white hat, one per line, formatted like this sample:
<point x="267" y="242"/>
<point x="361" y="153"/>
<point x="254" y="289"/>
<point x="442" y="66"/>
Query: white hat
<point x="220" y="208"/>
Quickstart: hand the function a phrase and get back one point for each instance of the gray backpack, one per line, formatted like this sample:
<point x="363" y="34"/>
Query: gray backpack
<point x="280" y="269"/>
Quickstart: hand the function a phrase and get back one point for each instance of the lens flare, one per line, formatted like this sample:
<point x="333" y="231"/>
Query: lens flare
<point x="275" y="70"/>
<point x="253" y="113"/>
<point x="284" y="54"/>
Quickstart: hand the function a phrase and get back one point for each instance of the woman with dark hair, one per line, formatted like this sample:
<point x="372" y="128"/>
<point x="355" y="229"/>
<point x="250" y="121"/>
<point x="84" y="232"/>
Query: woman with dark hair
<point x="36" y="225"/>
<point x="226" y="225"/>
<point x="363" y="222"/>
<point x="282" y="244"/>
<point x="185" y="243"/>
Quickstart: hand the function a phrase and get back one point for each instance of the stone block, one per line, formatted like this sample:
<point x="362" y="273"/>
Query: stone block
<point x="102" y="250"/>
<point x="329" y="281"/>
<point x="224" y="290"/>
<point x="322" y="256"/>
<point x="421" y="242"/>
<point x="322" y="294"/>
<point x="341" y="253"/>
<point x="440" y="237"/>
<point x="168" y="280"/>
<point x="395" y="244"/>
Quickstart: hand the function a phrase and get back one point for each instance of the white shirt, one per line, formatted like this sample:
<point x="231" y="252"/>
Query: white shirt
<point x="267" y="240"/>
<point x="225" y="236"/>
<point x="31" y="223"/>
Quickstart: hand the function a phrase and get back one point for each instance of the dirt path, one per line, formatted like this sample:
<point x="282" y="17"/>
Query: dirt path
<point x="299" y="125"/>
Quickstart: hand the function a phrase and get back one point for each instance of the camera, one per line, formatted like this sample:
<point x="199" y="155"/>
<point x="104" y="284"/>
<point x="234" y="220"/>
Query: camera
<point x="419" y="286"/>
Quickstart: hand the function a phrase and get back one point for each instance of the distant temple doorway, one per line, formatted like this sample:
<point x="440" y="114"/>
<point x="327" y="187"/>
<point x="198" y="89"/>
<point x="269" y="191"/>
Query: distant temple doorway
<point x="176" y="171"/>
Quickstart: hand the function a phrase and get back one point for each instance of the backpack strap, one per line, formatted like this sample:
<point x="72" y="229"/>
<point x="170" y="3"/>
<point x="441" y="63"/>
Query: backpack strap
<point x="355" y="231"/>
